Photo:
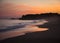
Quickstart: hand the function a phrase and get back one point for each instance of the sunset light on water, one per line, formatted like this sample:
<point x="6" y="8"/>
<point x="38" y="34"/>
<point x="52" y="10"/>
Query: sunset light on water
<point x="19" y="32"/>
<point x="30" y="26"/>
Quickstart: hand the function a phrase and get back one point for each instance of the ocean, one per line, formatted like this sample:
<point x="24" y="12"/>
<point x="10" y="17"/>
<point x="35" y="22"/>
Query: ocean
<point x="13" y="28"/>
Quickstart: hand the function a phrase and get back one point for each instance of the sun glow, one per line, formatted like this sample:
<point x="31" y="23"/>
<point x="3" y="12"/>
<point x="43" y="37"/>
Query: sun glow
<point x="16" y="8"/>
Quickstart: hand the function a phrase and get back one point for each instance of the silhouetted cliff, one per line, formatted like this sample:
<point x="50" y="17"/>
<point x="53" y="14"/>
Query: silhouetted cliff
<point x="38" y="16"/>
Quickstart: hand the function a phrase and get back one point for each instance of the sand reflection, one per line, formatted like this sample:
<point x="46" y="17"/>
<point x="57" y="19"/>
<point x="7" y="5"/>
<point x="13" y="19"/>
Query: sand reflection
<point x="19" y="32"/>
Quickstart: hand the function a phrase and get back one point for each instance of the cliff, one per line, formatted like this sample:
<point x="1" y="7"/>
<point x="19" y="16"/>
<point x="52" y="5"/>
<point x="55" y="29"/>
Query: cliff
<point x="39" y="16"/>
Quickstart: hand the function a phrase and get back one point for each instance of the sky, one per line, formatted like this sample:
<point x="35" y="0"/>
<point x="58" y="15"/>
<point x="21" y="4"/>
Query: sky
<point x="17" y="8"/>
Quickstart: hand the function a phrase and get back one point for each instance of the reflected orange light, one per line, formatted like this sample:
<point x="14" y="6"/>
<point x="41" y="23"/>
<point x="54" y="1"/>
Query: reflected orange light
<point x="18" y="32"/>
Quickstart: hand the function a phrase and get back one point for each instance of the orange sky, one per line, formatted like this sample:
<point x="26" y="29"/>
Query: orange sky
<point x="17" y="8"/>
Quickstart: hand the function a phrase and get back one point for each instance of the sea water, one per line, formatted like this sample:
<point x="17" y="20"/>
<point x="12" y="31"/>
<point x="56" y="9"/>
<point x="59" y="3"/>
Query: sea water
<point x="13" y="28"/>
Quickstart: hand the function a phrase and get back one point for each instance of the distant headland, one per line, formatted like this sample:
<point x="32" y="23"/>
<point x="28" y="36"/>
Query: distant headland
<point x="38" y="16"/>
